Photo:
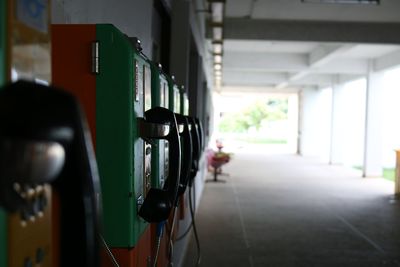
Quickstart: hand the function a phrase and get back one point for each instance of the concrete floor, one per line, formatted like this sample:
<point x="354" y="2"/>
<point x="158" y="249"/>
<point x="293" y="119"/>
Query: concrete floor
<point x="286" y="210"/>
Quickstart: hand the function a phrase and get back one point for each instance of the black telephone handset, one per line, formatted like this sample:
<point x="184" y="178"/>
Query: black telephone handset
<point x="196" y="149"/>
<point x="160" y="123"/>
<point x="186" y="163"/>
<point x="44" y="139"/>
<point x="201" y="133"/>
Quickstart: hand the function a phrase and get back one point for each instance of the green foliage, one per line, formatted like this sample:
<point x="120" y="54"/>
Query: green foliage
<point x="254" y="115"/>
<point x="389" y="173"/>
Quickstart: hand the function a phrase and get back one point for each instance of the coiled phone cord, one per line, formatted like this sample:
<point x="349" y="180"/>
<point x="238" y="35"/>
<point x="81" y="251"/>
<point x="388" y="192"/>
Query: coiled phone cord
<point x="113" y="260"/>
<point x="192" y="207"/>
<point x="196" y="236"/>
<point x="160" y="230"/>
<point x="194" y="211"/>
<point x="170" y="241"/>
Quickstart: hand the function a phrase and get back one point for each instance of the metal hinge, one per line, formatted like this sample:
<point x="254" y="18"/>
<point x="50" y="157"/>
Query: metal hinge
<point x="95" y="57"/>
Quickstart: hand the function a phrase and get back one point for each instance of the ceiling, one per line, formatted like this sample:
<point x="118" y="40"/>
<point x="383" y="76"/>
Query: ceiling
<point x="289" y="59"/>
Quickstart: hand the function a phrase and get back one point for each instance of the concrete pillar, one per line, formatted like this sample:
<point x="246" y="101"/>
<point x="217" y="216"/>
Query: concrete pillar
<point x="293" y="117"/>
<point x="373" y="117"/>
<point x="180" y="41"/>
<point x="300" y="123"/>
<point x="337" y="132"/>
<point x="397" y="176"/>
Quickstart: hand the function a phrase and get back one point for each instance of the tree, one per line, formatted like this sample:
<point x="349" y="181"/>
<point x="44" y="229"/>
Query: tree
<point x="254" y="115"/>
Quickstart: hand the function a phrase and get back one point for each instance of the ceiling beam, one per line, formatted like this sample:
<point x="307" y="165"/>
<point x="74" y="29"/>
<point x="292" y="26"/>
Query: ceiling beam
<point x="319" y="31"/>
<point x="389" y="61"/>
<point x="252" y="78"/>
<point x="317" y="58"/>
<point x="264" y="61"/>
<point x="325" y="53"/>
<point x="257" y="89"/>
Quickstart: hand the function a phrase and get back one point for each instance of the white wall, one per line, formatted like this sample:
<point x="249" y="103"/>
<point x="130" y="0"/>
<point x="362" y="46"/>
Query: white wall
<point x="315" y="122"/>
<point x="132" y="17"/>
<point x="348" y="126"/>
<point x="353" y="124"/>
<point x="390" y="119"/>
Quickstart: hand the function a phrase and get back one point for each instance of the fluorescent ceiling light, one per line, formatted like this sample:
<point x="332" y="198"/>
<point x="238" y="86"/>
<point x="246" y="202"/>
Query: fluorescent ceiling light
<point x="217" y="48"/>
<point x="217" y="32"/>
<point x="217" y="11"/>
<point x="218" y="59"/>
<point x="218" y="73"/>
<point x="218" y="67"/>
<point x="373" y="2"/>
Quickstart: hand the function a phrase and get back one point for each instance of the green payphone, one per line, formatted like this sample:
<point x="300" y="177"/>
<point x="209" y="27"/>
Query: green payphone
<point x="174" y="96"/>
<point x="107" y="71"/>
<point x="184" y="100"/>
<point x="123" y="157"/>
<point x="159" y="98"/>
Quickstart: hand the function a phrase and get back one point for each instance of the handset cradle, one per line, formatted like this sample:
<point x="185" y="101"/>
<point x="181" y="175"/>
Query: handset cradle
<point x="160" y="123"/>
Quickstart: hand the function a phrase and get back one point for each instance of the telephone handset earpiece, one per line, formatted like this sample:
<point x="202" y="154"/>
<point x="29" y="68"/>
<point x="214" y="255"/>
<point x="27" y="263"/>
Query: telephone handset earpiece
<point x="201" y="133"/>
<point x="196" y="149"/>
<point x="160" y="123"/>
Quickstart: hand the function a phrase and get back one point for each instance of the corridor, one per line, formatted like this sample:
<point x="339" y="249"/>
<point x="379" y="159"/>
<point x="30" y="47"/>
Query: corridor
<point x="286" y="210"/>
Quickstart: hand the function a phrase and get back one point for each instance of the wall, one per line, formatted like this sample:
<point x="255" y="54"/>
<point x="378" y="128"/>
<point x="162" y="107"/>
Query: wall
<point x="390" y="112"/>
<point x="315" y="123"/>
<point x="133" y="17"/>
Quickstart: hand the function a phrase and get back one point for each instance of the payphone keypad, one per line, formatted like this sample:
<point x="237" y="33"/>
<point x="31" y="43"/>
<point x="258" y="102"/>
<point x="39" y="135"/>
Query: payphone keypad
<point x="30" y="228"/>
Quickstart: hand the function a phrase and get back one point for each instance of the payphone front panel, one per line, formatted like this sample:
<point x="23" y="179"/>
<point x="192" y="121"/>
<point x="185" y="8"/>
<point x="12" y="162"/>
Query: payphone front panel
<point x="184" y="103"/>
<point x="177" y="99"/>
<point x="122" y="156"/>
<point x="174" y="97"/>
<point x="160" y="98"/>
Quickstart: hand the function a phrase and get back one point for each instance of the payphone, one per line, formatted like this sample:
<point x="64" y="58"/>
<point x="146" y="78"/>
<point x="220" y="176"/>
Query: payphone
<point x="184" y="100"/>
<point x="161" y="97"/>
<point x="46" y="154"/>
<point x="107" y="71"/>
<point x="174" y="96"/>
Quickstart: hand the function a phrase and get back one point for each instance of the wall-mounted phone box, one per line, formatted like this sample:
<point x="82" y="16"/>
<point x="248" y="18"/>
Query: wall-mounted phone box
<point x="159" y="98"/>
<point x="184" y="102"/>
<point x="99" y="64"/>
<point x="174" y="97"/>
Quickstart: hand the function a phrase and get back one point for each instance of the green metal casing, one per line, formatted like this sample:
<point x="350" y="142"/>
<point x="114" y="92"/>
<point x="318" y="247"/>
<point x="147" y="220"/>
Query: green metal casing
<point x="184" y="103"/>
<point x="119" y="150"/>
<point x="3" y="34"/>
<point x="174" y="97"/>
<point x="3" y="38"/>
<point x="159" y="98"/>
